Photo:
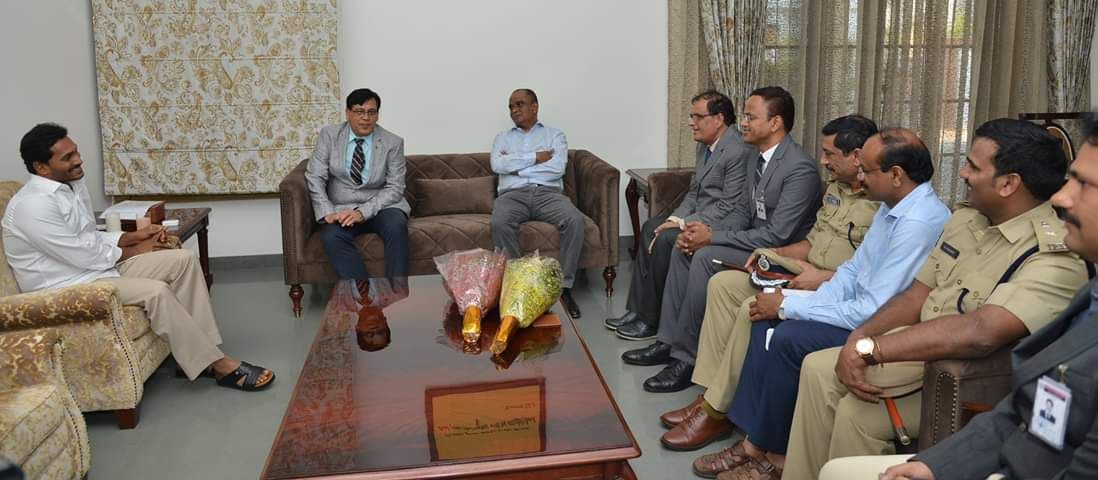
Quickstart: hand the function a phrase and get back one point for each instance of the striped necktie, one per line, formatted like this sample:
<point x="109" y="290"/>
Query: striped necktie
<point x="358" y="160"/>
<point x="759" y="170"/>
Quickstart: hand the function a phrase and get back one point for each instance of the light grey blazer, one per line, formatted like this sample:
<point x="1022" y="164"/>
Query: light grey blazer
<point x="332" y="189"/>
<point x="718" y="184"/>
<point x="792" y="189"/>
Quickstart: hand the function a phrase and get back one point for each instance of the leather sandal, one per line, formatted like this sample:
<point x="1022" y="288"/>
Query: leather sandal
<point x="756" y="469"/>
<point x="711" y="464"/>
<point x="250" y="373"/>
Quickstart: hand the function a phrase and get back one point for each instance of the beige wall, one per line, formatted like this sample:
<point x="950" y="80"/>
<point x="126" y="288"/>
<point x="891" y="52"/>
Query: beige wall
<point x="443" y="68"/>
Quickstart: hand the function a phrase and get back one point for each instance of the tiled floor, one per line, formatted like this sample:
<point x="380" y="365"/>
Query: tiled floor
<point x="201" y="431"/>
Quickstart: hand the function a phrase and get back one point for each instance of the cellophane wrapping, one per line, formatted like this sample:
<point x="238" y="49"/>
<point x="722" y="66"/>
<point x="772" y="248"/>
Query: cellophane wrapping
<point x="473" y="278"/>
<point x="530" y="286"/>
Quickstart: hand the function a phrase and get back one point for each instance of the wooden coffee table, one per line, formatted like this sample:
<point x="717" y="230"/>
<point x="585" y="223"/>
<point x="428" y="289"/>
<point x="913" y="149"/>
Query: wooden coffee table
<point x="426" y="406"/>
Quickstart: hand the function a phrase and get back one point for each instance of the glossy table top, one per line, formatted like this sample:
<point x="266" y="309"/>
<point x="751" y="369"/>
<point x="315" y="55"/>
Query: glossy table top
<point x="428" y="404"/>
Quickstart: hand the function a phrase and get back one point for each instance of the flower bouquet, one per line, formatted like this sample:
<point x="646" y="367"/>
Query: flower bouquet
<point x="530" y="286"/>
<point x="473" y="279"/>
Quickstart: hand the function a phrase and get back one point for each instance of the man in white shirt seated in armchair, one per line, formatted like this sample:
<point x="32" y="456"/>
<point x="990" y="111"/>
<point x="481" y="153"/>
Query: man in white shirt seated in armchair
<point x="51" y="241"/>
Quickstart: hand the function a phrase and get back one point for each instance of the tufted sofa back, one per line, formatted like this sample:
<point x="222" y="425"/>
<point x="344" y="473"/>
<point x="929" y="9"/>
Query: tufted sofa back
<point x="470" y="165"/>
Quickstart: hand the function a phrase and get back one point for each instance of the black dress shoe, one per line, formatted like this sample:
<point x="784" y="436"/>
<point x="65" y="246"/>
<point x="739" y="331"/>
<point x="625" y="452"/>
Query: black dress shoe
<point x="637" y="330"/>
<point x="615" y="323"/>
<point x="674" y="377"/>
<point x="655" y="354"/>
<point x="570" y="303"/>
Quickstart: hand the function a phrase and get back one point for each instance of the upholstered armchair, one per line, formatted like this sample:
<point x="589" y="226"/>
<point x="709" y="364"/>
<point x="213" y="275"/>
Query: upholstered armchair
<point x="41" y="428"/>
<point x="110" y="349"/>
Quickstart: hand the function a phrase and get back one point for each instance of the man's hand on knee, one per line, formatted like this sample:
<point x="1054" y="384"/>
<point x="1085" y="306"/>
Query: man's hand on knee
<point x="908" y="471"/>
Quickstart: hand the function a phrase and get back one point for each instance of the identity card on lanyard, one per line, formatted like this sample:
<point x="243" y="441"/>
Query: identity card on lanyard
<point x="1051" y="406"/>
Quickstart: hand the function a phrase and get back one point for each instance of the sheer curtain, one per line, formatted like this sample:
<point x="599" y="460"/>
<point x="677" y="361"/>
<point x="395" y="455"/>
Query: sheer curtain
<point x="909" y="63"/>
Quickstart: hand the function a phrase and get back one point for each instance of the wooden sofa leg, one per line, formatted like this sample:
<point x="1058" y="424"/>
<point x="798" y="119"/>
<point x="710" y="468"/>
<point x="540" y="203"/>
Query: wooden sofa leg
<point x="609" y="274"/>
<point x="296" y="294"/>
<point x="126" y="418"/>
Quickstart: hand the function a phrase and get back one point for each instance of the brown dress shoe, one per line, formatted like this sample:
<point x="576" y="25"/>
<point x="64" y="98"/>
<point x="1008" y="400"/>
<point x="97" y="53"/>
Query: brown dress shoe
<point x="712" y="464"/>
<point x="756" y="469"/>
<point x="675" y="417"/>
<point x="697" y="431"/>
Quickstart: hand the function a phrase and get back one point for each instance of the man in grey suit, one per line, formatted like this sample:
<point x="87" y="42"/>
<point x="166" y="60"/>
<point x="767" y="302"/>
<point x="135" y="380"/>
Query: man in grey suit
<point x="778" y="208"/>
<point x="356" y="181"/>
<point x="715" y="189"/>
<point x="1003" y="443"/>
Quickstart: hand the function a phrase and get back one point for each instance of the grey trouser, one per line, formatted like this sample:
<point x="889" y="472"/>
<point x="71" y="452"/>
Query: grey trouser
<point x="650" y="271"/>
<point x="171" y="287"/>
<point x="684" y="296"/>
<point x="543" y="204"/>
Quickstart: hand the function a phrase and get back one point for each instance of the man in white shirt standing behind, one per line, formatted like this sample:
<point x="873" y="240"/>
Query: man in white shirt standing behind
<point x="50" y="241"/>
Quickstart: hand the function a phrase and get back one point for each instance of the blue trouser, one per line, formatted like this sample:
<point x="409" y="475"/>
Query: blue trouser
<point x="391" y="224"/>
<point x="767" y="392"/>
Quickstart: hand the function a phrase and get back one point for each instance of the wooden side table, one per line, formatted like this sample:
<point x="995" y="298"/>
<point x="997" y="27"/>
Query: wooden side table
<point x="192" y="221"/>
<point x="636" y="189"/>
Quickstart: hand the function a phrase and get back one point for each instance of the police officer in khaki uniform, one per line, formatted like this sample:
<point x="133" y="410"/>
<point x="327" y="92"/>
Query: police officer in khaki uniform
<point x="841" y="224"/>
<point x="965" y="302"/>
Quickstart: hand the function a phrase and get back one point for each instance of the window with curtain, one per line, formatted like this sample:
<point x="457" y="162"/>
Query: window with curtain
<point x="905" y="63"/>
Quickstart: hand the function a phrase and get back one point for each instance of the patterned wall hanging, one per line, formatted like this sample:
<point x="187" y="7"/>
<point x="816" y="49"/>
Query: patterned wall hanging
<point x="212" y="97"/>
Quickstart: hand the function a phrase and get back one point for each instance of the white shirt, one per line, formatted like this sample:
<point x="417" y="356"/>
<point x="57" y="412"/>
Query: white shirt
<point x="50" y="238"/>
<point x="767" y="155"/>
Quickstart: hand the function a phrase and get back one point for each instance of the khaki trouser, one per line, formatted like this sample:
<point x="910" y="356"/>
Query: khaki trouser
<point x="829" y="422"/>
<point x="170" y="286"/>
<point x="868" y="467"/>
<point x="859" y="468"/>
<point x="725" y="333"/>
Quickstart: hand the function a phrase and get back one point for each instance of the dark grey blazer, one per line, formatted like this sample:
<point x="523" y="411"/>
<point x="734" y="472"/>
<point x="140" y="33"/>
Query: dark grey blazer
<point x="792" y="189"/>
<point x="998" y="441"/>
<point x="717" y="184"/>
<point x="332" y="189"/>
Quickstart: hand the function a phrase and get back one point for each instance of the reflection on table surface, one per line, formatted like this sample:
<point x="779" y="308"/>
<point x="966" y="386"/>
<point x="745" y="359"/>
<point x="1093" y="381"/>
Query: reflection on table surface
<point x="358" y="409"/>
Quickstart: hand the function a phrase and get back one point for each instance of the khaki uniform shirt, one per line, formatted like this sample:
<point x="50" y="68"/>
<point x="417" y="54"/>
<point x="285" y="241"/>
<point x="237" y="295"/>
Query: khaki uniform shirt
<point x="841" y="224"/>
<point x="972" y="255"/>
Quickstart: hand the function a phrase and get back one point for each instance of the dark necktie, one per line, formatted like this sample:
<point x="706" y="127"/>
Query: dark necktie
<point x="708" y="153"/>
<point x="759" y="170"/>
<point x="358" y="160"/>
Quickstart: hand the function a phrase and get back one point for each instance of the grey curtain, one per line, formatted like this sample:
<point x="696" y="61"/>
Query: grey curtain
<point x="734" y="31"/>
<point x="1071" y="29"/>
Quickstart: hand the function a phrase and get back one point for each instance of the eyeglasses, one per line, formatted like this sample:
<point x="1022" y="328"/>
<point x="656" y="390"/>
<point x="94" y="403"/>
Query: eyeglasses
<point x="362" y="112"/>
<point x="697" y="117"/>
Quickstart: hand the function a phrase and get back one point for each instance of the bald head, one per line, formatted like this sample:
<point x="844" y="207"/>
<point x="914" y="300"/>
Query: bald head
<point x="903" y="148"/>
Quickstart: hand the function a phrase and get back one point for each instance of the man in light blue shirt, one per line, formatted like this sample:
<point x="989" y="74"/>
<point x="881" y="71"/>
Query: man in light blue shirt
<point x="530" y="160"/>
<point x="896" y="170"/>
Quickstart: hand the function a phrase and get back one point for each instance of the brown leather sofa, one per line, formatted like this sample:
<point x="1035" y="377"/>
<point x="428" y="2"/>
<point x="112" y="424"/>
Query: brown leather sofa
<point x="451" y="196"/>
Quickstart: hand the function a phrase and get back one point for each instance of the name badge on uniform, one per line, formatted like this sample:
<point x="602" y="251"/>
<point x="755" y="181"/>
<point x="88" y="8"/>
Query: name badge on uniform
<point x="832" y="200"/>
<point x="760" y="206"/>
<point x="1051" y="405"/>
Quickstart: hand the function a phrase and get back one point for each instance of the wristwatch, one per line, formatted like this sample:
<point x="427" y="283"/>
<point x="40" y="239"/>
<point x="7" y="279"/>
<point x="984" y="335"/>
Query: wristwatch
<point x="865" y="347"/>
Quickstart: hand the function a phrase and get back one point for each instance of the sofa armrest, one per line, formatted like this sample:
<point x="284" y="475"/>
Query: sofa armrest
<point x="666" y="191"/>
<point x="26" y="357"/>
<point x="297" y="220"/>
<point x="955" y="390"/>
<point x="597" y="184"/>
<point x="91" y="302"/>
